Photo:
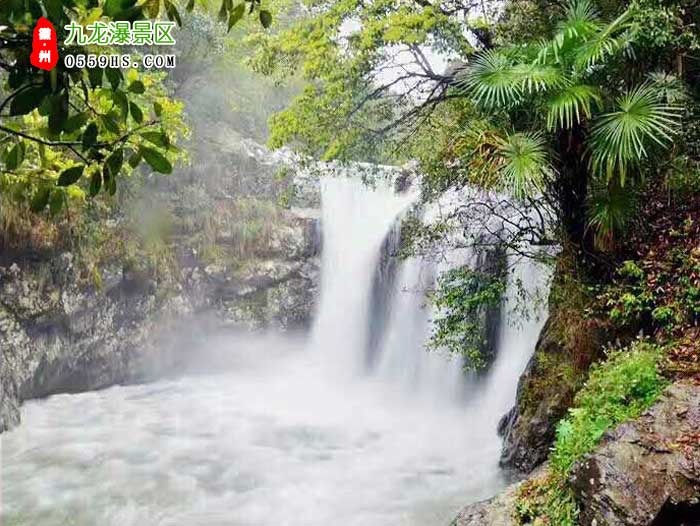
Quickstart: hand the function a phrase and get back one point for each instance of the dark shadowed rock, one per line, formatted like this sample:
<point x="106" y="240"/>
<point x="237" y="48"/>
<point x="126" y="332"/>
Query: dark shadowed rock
<point x="528" y="428"/>
<point x="646" y="472"/>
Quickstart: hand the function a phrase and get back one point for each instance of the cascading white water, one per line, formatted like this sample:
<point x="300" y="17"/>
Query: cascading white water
<point x="285" y="436"/>
<point x="355" y="220"/>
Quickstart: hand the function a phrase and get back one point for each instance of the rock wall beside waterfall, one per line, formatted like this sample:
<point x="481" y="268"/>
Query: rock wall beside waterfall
<point x="568" y="343"/>
<point x="59" y="333"/>
<point x="646" y="471"/>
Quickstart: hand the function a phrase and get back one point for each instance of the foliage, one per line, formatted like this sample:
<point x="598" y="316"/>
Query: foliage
<point x="463" y="298"/>
<point x="556" y="87"/>
<point x="364" y="67"/>
<point x="547" y="101"/>
<point x="659" y="290"/>
<point x="546" y="501"/>
<point x="618" y="389"/>
<point x="67" y="133"/>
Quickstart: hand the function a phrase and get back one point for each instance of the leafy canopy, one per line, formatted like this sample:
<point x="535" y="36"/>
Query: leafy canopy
<point x="66" y="134"/>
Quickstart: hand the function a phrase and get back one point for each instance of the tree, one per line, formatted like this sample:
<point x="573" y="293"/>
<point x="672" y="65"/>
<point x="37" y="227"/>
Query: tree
<point x="369" y="69"/>
<point x="70" y="132"/>
<point x="551" y="104"/>
<point x="559" y="116"/>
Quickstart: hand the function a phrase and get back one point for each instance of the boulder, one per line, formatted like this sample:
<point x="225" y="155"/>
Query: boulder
<point x="497" y="511"/>
<point x="647" y="471"/>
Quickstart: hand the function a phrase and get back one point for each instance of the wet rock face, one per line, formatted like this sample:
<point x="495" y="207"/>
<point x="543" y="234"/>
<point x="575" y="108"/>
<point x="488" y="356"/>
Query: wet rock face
<point x="496" y="511"/>
<point x="57" y="336"/>
<point x="646" y="472"/>
<point x="60" y="335"/>
<point x="528" y="429"/>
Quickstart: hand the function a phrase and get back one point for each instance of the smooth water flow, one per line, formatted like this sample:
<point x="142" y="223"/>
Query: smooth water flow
<point x="290" y="434"/>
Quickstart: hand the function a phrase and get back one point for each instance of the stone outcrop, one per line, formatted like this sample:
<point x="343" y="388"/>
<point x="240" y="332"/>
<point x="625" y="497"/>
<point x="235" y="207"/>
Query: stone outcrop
<point x="646" y="472"/>
<point x="497" y="511"/>
<point x="60" y="334"/>
<point x="567" y="345"/>
<point x="528" y="429"/>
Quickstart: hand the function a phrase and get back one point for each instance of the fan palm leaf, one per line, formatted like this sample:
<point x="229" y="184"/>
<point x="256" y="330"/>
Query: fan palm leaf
<point x="523" y="164"/>
<point x="603" y="43"/>
<point x="571" y="105"/>
<point x="610" y="209"/>
<point x="621" y="138"/>
<point x="490" y="80"/>
<point x="579" y="24"/>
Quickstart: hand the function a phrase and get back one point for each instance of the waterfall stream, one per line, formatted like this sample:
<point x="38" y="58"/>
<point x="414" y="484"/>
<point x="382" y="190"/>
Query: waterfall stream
<point x="298" y="434"/>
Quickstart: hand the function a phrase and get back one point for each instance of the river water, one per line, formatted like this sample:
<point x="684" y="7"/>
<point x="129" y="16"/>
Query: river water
<point x="289" y="433"/>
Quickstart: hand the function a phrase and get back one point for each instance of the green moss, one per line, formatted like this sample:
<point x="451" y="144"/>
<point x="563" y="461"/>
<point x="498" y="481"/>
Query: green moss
<point x="617" y="390"/>
<point x="546" y="501"/>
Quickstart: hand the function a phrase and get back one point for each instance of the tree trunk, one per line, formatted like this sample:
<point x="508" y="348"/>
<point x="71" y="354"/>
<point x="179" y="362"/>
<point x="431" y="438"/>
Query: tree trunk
<point x="571" y="188"/>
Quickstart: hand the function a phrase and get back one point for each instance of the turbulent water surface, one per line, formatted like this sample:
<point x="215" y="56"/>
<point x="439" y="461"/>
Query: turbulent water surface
<point x="284" y="434"/>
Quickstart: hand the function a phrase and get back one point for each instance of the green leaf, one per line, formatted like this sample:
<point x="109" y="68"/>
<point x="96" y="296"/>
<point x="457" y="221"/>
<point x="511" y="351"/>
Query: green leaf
<point x="56" y="202"/>
<point x="95" y="76"/>
<point x="157" y="138"/>
<point x="158" y="109"/>
<point x="40" y="199"/>
<point x="137" y="87"/>
<point x="95" y="183"/>
<point x="173" y="13"/>
<point x="122" y="102"/>
<point x="491" y="80"/>
<point x="135" y="159"/>
<point x="156" y="160"/>
<point x="110" y="181"/>
<point x="71" y="175"/>
<point x="27" y="100"/>
<point x="110" y="122"/>
<point x="59" y="112"/>
<point x="265" y="18"/>
<point x="523" y="164"/>
<point x="75" y="122"/>
<point x="114" y="162"/>
<point x="15" y="156"/>
<point x="90" y="136"/>
<point x="236" y="15"/>
<point x="620" y="139"/>
<point x="114" y="76"/>
<point x="136" y="112"/>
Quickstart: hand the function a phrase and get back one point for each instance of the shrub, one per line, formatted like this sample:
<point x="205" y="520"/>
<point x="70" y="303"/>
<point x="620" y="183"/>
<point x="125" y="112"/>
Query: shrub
<point x="618" y="389"/>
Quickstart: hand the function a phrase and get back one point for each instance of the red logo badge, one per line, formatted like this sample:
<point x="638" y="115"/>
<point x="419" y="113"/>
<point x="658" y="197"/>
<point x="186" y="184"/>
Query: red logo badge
<point x="44" y="46"/>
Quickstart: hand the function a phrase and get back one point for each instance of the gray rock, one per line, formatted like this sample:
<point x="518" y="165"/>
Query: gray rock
<point x="496" y="511"/>
<point x="646" y="471"/>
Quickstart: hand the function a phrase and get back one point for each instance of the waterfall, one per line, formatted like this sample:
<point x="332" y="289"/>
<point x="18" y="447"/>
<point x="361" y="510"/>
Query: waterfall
<point x="285" y="432"/>
<point x="355" y="221"/>
<point x="373" y="316"/>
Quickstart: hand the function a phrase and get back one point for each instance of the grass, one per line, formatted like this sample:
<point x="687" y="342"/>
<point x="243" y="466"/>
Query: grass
<point x="618" y="389"/>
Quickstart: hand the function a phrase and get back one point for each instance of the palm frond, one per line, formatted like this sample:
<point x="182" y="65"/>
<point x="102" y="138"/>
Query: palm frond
<point x="490" y="80"/>
<point x="523" y="164"/>
<point x="610" y="210"/>
<point x="580" y="22"/>
<point x="571" y="105"/>
<point x="603" y="43"/>
<point x="534" y="76"/>
<point x="620" y="139"/>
